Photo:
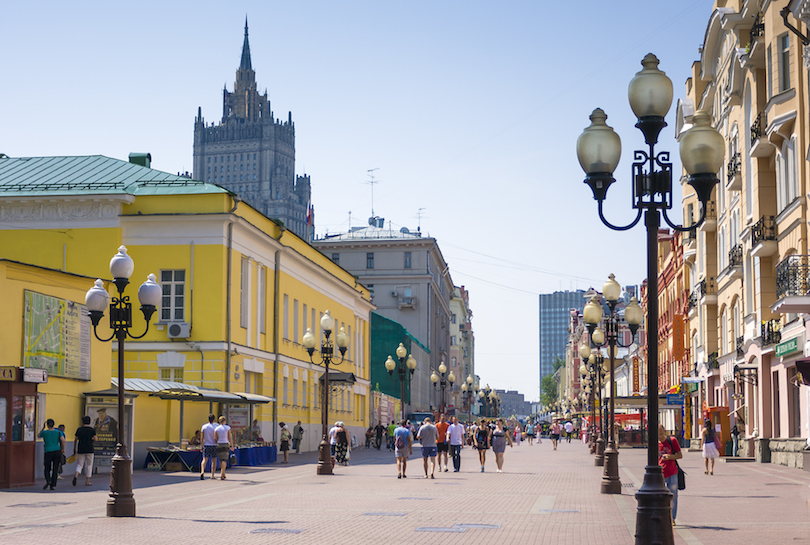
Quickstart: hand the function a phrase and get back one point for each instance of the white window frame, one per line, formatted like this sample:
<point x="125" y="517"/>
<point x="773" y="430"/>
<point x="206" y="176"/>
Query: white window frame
<point x="172" y="297"/>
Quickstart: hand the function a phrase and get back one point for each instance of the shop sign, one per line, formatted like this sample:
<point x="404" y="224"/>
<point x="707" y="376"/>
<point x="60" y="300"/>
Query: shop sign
<point x="636" y="386"/>
<point x="787" y="347"/>
<point x="8" y="374"/>
<point x="674" y="399"/>
<point x="32" y="374"/>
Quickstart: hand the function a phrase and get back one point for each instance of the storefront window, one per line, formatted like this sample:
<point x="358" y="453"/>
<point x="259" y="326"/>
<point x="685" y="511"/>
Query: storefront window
<point x="22" y="418"/>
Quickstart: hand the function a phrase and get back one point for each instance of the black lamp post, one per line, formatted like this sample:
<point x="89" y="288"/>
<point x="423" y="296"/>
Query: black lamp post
<point x="122" y="501"/>
<point x="467" y="393"/>
<point x="407" y="365"/>
<point x="702" y="155"/>
<point x="593" y="315"/>
<point x="327" y="351"/>
<point x="442" y="382"/>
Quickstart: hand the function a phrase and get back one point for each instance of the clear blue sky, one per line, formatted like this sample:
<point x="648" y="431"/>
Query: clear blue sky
<point x="469" y="109"/>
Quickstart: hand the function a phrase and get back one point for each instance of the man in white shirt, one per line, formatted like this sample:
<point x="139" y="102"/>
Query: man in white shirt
<point x="209" y="446"/>
<point x="455" y="438"/>
<point x="569" y="430"/>
<point x="333" y="440"/>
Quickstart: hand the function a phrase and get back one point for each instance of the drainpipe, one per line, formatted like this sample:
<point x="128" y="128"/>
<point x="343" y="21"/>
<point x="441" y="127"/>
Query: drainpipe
<point x="236" y="201"/>
<point x="276" y="303"/>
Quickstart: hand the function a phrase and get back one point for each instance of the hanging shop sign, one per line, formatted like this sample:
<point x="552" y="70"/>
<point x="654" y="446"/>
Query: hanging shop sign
<point x="788" y="347"/>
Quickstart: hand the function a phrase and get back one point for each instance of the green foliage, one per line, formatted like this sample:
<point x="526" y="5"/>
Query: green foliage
<point x="548" y="390"/>
<point x="558" y="362"/>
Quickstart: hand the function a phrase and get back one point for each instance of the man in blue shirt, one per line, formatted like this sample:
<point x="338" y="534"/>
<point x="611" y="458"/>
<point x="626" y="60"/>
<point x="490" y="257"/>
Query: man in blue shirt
<point x="54" y="450"/>
<point x="403" y="447"/>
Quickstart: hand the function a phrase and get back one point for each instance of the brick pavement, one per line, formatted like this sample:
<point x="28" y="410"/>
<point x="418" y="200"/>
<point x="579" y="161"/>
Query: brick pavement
<point x="543" y="497"/>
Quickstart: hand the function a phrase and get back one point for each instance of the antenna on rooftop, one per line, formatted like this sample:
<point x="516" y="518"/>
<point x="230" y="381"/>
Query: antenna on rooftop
<point x="419" y="218"/>
<point x="371" y="183"/>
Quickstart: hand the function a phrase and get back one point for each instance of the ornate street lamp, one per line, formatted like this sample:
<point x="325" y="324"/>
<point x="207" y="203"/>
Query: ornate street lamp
<point x="702" y="154"/>
<point x="407" y="365"/>
<point x="327" y="351"/>
<point x="122" y="501"/>
<point x="442" y="382"/>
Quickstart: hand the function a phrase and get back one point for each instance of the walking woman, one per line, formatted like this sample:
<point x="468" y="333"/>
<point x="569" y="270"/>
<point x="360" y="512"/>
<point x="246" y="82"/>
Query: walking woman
<point x="342" y="445"/>
<point x="518" y="435"/>
<point x="482" y="435"/>
<point x="499" y="439"/>
<point x="708" y="447"/>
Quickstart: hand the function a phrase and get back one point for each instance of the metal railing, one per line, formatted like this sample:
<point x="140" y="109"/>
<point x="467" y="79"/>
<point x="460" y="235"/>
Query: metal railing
<point x="758" y="28"/>
<point x="707" y="287"/>
<point x="770" y="332"/>
<point x="713" y="363"/>
<point x="793" y="276"/>
<point x="693" y="300"/>
<point x="757" y="126"/>
<point x="733" y="167"/>
<point x="735" y="256"/>
<point x="740" y="344"/>
<point x="764" y="229"/>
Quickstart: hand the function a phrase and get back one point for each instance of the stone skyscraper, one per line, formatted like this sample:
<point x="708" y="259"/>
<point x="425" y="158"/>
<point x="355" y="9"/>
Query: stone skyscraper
<point x="252" y="154"/>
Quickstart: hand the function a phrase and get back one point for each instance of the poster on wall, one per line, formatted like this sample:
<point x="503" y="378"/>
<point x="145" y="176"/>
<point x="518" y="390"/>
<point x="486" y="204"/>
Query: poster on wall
<point x="56" y="336"/>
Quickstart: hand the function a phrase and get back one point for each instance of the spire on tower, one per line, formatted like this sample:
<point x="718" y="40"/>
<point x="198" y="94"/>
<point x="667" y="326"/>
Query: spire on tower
<point x="245" y="63"/>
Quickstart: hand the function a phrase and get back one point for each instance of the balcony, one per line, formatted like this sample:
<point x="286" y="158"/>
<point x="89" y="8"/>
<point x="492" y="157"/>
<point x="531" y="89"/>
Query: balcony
<point x="760" y="147"/>
<point x="792" y="285"/>
<point x="733" y="173"/>
<point x="710" y="222"/>
<point x="692" y="303"/>
<point x="740" y="345"/>
<point x="707" y="291"/>
<point x="763" y="237"/>
<point x="755" y="50"/>
<point x="735" y="263"/>
<point x="690" y="245"/>
<point x="713" y="363"/>
<point x="407" y="302"/>
<point x="770" y="332"/>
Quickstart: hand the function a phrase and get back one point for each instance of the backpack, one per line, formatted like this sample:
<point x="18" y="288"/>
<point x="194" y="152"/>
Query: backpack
<point x="400" y="442"/>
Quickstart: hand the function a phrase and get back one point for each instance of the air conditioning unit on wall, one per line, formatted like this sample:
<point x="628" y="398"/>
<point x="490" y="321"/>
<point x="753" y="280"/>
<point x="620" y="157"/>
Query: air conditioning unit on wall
<point x="179" y="330"/>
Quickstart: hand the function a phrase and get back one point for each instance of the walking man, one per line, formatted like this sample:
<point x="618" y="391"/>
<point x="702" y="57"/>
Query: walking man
<point x="378" y="434"/>
<point x="391" y="429"/>
<point x="209" y="446"/>
<point x="224" y="445"/>
<point x="54" y="450"/>
<point x="83" y="448"/>
<point x="403" y="447"/>
<point x="455" y="438"/>
<point x="298" y="434"/>
<point x="569" y="430"/>
<point x="442" y="446"/>
<point x="427" y="435"/>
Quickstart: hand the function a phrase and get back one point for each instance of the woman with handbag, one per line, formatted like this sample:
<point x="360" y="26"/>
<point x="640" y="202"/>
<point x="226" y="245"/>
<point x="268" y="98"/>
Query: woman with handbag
<point x="708" y="444"/>
<point x="341" y="445"/>
<point x="669" y="452"/>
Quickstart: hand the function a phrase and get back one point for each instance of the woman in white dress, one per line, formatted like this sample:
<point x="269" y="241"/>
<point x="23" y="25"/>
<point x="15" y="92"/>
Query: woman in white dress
<point x="710" y="452"/>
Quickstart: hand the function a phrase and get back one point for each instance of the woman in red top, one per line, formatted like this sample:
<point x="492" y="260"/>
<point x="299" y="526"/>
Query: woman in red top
<point x="668" y="451"/>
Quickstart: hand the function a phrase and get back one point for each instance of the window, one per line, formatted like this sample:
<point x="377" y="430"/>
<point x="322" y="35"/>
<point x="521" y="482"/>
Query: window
<point x="453" y="318"/>
<point x="244" y="287"/>
<point x="172" y="304"/>
<point x="784" y="62"/>
<point x="452" y="340"/>
<point x="286" y="317"/>
<point x="769" y="71"/>
<point x="295" y="323"/>
<point x="284" y="392"/>
<point x="371" y="291"/>
<point x="304" y="391"/>
<point x="336" y="258"/>
<point x="370" y="260"/>
<point x="295" y="391"/>
<point x="407" y="263"/>
<point x="262" y="299"/>
<point x="172" y="374"/>
<point x="304" y="314"/>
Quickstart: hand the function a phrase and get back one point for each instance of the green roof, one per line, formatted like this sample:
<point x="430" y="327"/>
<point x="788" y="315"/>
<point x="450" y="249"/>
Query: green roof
<point x="91" y="175"/>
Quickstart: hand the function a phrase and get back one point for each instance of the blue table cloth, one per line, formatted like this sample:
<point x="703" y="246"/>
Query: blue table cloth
<point x="255" y="456"/>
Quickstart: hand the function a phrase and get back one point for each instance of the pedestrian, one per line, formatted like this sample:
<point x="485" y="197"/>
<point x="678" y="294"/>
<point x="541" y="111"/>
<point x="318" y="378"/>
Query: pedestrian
<point x="378" y="435"/>
<point x="555" y="434"/>
<point x="54" y="450"/>
<point x="62" y="461"/>
<point x="472" y="429"/>
<point x="341" y="445"/>
<point x="530" y="432"/>
<point x="482" y="435"/>
<point x="442" y="445"/>
<point x="518" y="434"/>
<point x="224" y="445"/>
<point x="569" y="430"/>
<point x="428" y="435"/>
<point x="285" y="442"/>
<point x="256" y="431"/>
<point x="333" y="440"/>
<point x="297" y="436"/>
<point x="391" y="429"/>
<point x="735" y="440"/>
<point x="708" y="446"/>
<point x="500" y="437"/>
<point x="83" y="448"/>
<point x="403" y="447"/>
<point x="668" y="452"/>
<point x="209" y="440"/>
<point x="455" y="438"/>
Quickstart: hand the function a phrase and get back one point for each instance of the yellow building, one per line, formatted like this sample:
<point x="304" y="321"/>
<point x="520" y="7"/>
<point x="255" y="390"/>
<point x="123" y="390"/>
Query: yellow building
<point x="752" y="81"/>
<point x="239" y="291"/>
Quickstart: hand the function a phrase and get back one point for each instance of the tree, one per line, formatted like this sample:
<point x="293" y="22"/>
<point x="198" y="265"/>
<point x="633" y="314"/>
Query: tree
<point x="549" y="386"/>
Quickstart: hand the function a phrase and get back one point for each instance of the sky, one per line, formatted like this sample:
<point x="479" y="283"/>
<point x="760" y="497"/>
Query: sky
<point x="467" y="112"/>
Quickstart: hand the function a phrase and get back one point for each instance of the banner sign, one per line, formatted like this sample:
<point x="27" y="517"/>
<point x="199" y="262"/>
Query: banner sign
<point x="678" y="337"/>
<point x="636" y="386"/>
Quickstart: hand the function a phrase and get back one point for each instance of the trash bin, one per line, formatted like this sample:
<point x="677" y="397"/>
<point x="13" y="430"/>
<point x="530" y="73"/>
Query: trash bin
<point x="729" y="448"/>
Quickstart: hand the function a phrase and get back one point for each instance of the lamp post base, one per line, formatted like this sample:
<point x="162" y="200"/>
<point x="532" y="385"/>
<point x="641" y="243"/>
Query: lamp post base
<point x="324" y="458"/>
<point x="121" y="502"/>
<point x="654" y="515"/>
<point x="611" y="484"/>
<point x="599" y="459"/>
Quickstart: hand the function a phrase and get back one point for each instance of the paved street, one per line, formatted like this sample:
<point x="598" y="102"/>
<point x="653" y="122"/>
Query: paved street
<point x="542" y="497"/>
